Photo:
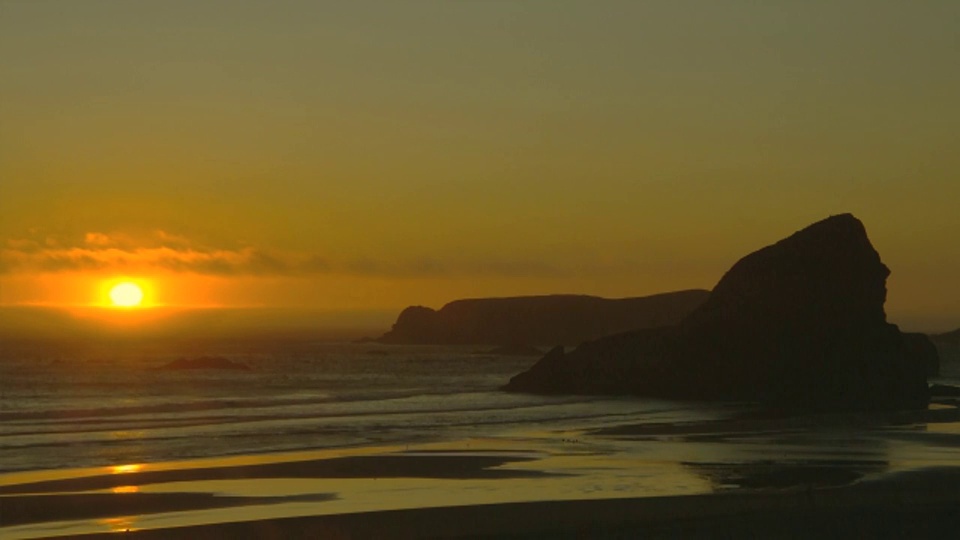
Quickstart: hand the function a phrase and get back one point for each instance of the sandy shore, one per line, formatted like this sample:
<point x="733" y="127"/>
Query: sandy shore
<point x="105" y="495"/>
<point x="914" y="504"/>
<point x="922" y="504"/>
<point x="842" y="476"/>
<point x="23" y="509"/>
<point x="459" y="466"/>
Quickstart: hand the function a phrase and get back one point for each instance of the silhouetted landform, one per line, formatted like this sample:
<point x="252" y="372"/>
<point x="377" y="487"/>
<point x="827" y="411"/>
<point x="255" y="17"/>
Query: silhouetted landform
<point x="538" y="320"/>
<point x="944" y="390"/>
<point x="923" y="347"/>
<point x="945" y="394"/>
<point x="796" y="325"/>
<point x="515" y="350"/>
<point x="950" y="338"/>
<point x="948" y="346"/>
<point x="205" y="362"/>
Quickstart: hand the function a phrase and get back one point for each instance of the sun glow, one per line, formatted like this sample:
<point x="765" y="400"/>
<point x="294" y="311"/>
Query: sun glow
<point x="126" y="295"/>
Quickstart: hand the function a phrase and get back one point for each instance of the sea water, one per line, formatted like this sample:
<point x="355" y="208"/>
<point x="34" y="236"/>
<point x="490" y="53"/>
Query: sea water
<point x="113" y="403"/>
<point x="70" y="411"/>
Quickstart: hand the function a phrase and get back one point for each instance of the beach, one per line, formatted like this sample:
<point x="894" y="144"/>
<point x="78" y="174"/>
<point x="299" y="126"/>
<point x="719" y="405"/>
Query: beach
<point x="380" y="491"/>
<point x="895" y="477"/>
<point x="372" y="441"/>
<point x="908" y="510"/>
<point x="479" y="269"/>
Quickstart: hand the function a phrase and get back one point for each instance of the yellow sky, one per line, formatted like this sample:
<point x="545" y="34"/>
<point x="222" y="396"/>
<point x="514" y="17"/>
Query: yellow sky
<point x="369" y="155"/>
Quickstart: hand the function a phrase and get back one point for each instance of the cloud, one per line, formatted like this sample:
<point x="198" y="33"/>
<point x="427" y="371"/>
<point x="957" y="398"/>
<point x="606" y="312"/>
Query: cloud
<point x="161" y="250"/>
<point x="96" y="239"/>
<point x="221" y="262"/>
<point x="98" y="251"/>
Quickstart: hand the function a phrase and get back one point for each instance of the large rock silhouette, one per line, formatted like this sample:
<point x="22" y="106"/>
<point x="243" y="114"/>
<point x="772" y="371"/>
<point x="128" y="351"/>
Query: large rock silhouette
<point x="949" y="338"/>
<point x="538" y="320"/>
<point x="798" y="324"/>
<point x="948" y="346"/>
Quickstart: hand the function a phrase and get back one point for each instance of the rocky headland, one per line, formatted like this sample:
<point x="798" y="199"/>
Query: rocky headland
<point x="799" y="324"/>
<point x="538" y="320"/>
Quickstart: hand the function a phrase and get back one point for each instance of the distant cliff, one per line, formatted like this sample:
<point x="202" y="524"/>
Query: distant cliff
<point x="539" y="320"/>
<point x="797" y="325"/>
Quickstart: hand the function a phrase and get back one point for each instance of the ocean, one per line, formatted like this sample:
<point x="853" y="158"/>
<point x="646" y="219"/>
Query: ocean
<point x="96" y="436"/>
<point x="112" y="403"/>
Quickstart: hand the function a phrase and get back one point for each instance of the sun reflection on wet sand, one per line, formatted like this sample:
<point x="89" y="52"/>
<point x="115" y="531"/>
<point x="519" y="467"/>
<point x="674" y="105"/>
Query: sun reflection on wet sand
<point x="579" y="466"/>
<point x="119" y="524"/>
<point x="125" y="469"/>
<point x="128" y="434"/>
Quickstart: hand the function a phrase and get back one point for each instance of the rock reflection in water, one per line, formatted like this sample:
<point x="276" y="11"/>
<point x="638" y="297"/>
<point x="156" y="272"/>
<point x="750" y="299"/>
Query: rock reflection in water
<point x="781" y="475"/>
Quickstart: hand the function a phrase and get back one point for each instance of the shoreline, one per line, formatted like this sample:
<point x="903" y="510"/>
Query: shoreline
<point x="834" y="476"/>
<point x="912" y="503"/>
<point x="921" y="504"/>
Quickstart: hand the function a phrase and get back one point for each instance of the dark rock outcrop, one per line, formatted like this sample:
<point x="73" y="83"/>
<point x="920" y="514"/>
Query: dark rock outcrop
<point x="204" y="362"/>
<point x="948" y="338"/>
<point x="538" y="320"/>
<point x="944" y="390"/>
<point x="796" y="325"/>
<point x="948" y="347"/>
<point x="920" y="346"/>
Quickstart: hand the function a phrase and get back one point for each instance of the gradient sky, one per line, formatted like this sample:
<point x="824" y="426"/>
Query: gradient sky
<point x="370" y="155"/>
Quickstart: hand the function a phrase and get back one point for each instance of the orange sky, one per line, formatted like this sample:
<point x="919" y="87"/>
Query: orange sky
<point x="370" y="155"/>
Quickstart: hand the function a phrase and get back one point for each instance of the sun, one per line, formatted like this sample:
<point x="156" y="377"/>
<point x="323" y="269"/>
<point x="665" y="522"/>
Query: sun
<point x="126" y="295"/>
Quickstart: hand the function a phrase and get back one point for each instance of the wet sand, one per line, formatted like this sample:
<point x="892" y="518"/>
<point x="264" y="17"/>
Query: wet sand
<point x="888" y="477"/>
<point x="23" y="509"/>
<point x="922" y="504"/>
<point x="763" y="421"/>
<point x="459" y="466"/>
